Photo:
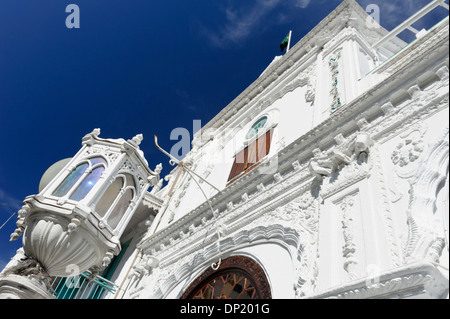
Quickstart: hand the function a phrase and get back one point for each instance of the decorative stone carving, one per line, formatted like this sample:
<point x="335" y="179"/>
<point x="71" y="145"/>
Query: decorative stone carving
<point x="349" y="248"/>
<point x="20" y="287"/>
<point x="74" y="222"/>
<point x="154" y="179"/>
<point x="443" y="73"/>
<point x="61" y="246"/>
<point x="343" y="150"/>
<point x="260" y="187"/>
<point x="136" y="140"/>
<point x="277" y="177"/>
<point x="21" y="214"/>
<point x="24" y="278"/>
<point x="426" y="234"/>
<point x="90" y="137"/>
<point x="310" y="94"/>
<point x="387" y="108"/>
<point x="296" y="165"/>
<point x="414" y="91"/>
<point x="146" y="264"/>
<point x="406" y="157"/>
<point x="410" y="148"/>
<point x="363" y="142"/>
<point x="414" y="279"/>
<point x="335" y="94"/>
<point x="321" y="164"/>
<point x="29" y="267"/>
<point x="302" y="214"/>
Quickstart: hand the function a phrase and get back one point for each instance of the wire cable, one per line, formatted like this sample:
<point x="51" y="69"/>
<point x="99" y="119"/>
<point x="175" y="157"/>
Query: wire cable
<point x="9" y="216"/>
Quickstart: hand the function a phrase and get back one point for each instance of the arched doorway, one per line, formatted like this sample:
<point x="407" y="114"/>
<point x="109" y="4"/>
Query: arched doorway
<point x="238" y="277"/>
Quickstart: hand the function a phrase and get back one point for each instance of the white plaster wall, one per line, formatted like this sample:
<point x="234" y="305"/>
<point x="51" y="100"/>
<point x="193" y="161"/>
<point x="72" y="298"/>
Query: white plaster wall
<point x="277" y="264"/>
<point x="331" y="241"/>
<point x="296" y="116"/>
<point x="367" y="233"/>
<point x="293" y="117"/>
<point x="350" y="71"/>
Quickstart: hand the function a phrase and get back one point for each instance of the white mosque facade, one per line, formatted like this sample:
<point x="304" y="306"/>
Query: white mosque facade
<point x="328" y="177"/>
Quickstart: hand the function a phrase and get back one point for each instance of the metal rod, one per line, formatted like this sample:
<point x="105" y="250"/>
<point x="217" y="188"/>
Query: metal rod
<point x="214" y="266"/>
<point x="408" y="22"/>
<point x="14" y="212"/>
<point x="175" y="160"/>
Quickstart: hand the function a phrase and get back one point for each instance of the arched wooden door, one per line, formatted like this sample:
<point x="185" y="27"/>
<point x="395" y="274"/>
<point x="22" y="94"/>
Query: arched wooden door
<point x="238" y="277"/>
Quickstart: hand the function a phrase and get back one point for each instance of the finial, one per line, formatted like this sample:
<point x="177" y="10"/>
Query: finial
<point x="96" y="132"/>
<point x="138" y="139"/>
<point x="158" y="168"/>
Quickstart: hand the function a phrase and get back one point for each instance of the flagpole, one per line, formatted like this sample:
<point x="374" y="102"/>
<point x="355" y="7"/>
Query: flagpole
<point x="289" y="41"/>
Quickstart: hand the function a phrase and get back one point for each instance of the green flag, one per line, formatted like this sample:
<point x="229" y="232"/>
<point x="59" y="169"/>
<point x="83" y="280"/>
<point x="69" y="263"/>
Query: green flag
<point x="284" y="43"/>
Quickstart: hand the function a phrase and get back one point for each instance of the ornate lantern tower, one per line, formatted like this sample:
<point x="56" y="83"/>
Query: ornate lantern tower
<point x="76" y="220"/>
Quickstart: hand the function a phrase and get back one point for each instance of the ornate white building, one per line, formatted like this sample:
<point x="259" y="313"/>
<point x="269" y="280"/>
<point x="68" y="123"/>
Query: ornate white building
<point x="326" y="178"/>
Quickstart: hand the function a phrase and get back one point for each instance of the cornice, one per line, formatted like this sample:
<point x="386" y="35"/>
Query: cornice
<point x="152" y="201"/>
<point x="420" y="278"/>
<point x="201" y="233"/>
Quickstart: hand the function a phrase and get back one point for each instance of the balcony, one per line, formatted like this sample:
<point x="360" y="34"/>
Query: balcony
<point x="83" y="286"/>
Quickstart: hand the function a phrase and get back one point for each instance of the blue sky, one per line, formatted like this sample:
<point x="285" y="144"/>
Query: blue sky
<point x="132" y="67"/>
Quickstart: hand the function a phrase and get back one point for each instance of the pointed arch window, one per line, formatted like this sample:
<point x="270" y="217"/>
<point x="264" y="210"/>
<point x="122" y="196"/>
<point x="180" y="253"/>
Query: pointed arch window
<point x="116" y="200"/>
<point x="82" y="179"/>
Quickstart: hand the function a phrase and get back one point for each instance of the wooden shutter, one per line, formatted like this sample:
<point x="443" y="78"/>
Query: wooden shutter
<point x="249" y="157"/>
<point x="239" y="164"/>
<point x="263" y="145"/>
<point x="252" y="154"/>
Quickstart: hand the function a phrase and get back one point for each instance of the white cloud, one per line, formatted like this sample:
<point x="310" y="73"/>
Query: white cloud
<point x="241" y="22"/>
<point x="241" y="19"/>
<point x="8" y="202"/>
<point x="394" y="12"/>
<point x="8" y="206"/>
<point x="302" y="3"/>
<point x="3" y="264"/>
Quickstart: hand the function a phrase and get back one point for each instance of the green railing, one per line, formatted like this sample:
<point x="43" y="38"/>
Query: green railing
<point x="83" y="286"/>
